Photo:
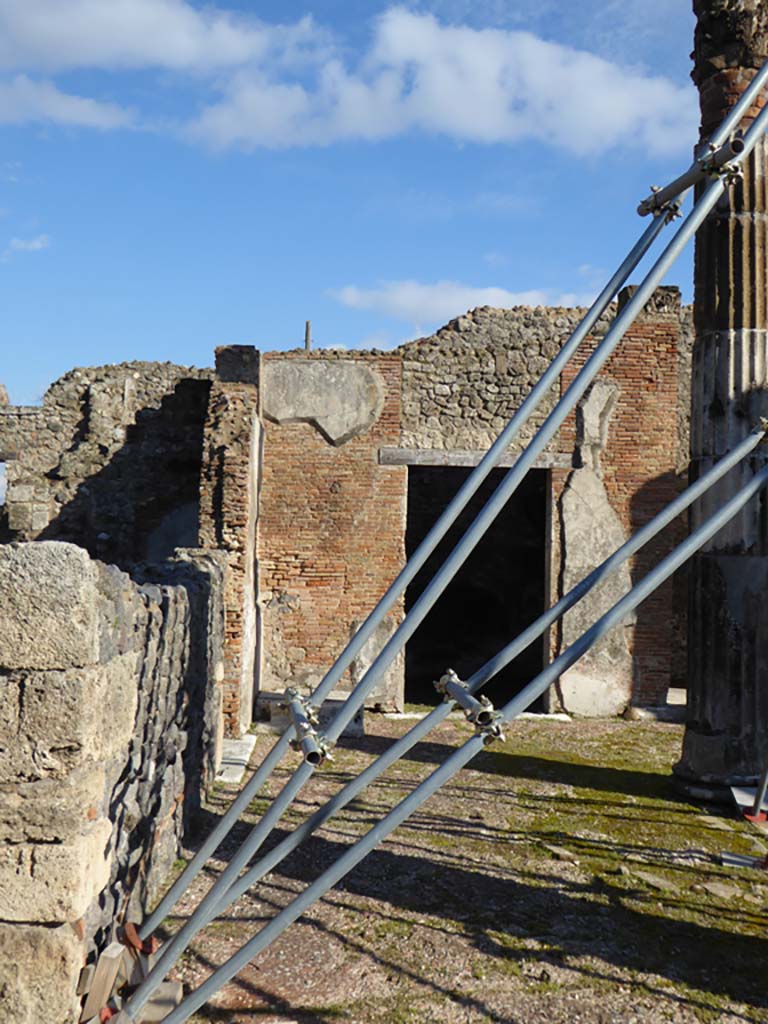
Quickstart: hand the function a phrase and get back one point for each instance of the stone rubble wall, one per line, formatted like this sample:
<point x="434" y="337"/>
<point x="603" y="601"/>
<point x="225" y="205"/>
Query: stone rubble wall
<point x="110" y="461"/>
<point x="462" y="384"/>
<point x="108" y="731"/>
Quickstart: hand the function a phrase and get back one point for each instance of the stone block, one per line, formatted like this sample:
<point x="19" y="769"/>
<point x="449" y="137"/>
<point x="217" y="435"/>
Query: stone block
<point x="54" y="882"/>
<point x="39" y="969"/>
<point x="48" y="616"/>
<point x="341" y="399"/>
<point x="51" y="810"/>
<point x="54" y="722"/>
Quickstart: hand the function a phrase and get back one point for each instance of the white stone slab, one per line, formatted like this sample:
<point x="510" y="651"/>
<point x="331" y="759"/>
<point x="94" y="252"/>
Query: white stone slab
<point x="745" y="798"/>
<point x="235" y="755"/>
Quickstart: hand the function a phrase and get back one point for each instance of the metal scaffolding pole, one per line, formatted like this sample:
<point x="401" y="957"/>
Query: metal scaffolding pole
<point x="172" y="950"/>
<point x="690" y="225"/>
<point x="484" y="674"/>
<point x="460" y="757"/>
<point x="718" y="151"/>
<point x="489" y="461"/>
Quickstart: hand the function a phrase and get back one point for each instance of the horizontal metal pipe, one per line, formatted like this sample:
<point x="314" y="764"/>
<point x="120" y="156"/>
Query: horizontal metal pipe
<point x="489" y="461"/>
<point x="445" y="772"/>
<point x="486" y="672"/>
<point x="700" y="169"/>
<point x="725" y="149"/>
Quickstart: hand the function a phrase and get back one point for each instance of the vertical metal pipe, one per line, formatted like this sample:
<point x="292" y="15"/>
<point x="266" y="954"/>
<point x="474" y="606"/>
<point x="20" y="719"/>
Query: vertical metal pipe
<point x="492" y="457"/>
<point x="463" y="755"/>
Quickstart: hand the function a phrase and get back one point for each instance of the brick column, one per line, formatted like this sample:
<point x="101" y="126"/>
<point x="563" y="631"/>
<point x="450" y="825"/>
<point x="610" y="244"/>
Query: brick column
<point x="727" y="727"/>
<point x="228" y="512"/>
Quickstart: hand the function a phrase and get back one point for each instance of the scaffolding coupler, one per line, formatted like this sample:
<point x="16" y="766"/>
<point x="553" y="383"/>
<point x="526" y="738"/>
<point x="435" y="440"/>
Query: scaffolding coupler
<point x="304" y="718"/>
<point x="480" y="712"/>
<point x="713" y="162"/>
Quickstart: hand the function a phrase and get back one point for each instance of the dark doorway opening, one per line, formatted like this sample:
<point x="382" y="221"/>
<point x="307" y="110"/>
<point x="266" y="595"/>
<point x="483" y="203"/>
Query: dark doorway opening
<point x="498" y="591"/>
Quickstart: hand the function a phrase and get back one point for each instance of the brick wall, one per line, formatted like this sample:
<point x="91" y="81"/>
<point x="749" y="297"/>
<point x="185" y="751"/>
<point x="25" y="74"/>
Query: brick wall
<point x="331" y="533"/>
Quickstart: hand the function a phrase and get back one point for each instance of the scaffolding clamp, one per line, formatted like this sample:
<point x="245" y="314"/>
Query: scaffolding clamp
<point x="479" y="712"/>
<point x="304" y="717"/>
<point x="712" y="164"/>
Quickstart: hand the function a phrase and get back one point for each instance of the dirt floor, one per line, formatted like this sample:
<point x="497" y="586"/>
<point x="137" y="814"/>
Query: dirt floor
<point x="559" y="879"/>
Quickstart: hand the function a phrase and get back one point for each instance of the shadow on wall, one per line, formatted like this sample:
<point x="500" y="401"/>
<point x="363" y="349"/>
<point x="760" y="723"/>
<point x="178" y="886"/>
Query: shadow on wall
<point x="144" y="502"/>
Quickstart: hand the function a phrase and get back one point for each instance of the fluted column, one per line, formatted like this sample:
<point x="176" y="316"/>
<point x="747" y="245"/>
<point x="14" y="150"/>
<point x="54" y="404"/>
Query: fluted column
<point x="727" y="727"/>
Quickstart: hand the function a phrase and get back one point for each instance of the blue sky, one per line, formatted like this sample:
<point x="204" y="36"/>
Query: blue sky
<point x="177" y="175"/>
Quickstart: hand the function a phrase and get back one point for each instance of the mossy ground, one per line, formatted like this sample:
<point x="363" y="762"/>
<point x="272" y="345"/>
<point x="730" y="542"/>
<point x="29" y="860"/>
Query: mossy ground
<point x="558" y="878"/>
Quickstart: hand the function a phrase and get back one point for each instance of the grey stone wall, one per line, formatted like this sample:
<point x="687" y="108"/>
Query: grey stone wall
<point x="108" y="729"/>
<point x="110" y="461"/>
<point x="462" y="384"/>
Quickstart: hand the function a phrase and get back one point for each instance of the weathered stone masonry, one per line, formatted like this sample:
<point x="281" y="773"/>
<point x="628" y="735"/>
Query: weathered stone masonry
<point x="290" y="471"/>
<point x="107" y="731"/>
<point x="300" y="465"/>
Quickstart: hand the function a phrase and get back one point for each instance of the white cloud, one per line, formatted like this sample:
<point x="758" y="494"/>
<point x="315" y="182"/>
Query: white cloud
<point x="22" y="100"/>
<point x="50" y="35"/>
<point x="418" y="303"/>
<point x="25" y="245"/>
<point x="477" y="85"/>
<point x="275" y="85"/>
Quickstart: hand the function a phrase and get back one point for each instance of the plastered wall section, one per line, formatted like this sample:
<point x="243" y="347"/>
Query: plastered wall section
<point x="107" y="732"/>
<point x="331" y="535"/>
<point x="642" y="471"/>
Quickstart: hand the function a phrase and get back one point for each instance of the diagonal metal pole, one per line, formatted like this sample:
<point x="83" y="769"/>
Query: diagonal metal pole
<point x="485" y="673"/>
<point x="722" y="149"/>
<point x="171" y="951"/>
<point x="489" y="461"/>
<point x="463" y="755"/>
<point x="430" y="542"/>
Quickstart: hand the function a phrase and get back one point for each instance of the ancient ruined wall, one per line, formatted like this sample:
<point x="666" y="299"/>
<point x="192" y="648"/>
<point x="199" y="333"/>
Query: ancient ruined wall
<point x="107" y="732"/>
<point x="614" y="463"/>
<point x="332" y="520"/>
<point x="228" y="515"/>
<point x="630" y="475"/>
<point x="462" y="384"/>
<point x="110" y="461"/>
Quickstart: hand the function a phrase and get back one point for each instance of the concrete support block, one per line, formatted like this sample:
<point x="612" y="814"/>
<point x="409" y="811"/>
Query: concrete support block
<point x="39" y="968"/>
<point x="48" y="616"/>
<point x="54" y="882"/>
